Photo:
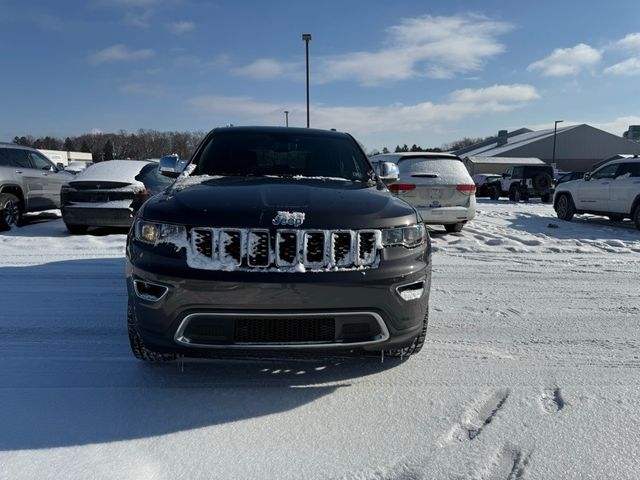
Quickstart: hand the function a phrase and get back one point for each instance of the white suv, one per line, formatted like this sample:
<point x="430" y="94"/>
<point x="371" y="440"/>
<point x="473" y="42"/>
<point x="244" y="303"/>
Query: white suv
<point x="612" y="190"/>
<point x="437" y="184"/>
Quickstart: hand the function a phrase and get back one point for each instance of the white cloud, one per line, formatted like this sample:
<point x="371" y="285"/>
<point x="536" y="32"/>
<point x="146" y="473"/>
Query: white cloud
<point x="181" y="27"/>
<point x="269" y="69"/>
<point x="120" y="53"/>
<point x="567" y="61"/>
<point x="138" y="19"/>
<point x="367" y="120"/>
<point x="428" y="46"/>
<point x="631" y="41"/>
<point x="628" y="68"/>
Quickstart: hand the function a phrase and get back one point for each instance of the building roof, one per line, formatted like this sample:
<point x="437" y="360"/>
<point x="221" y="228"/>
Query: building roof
<point x="490" y="148"/>
<point x="479" y="159"/>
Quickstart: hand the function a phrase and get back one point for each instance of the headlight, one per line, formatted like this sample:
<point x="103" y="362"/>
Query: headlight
<point x="411" y="236"/>
<point x="154" y="233"/>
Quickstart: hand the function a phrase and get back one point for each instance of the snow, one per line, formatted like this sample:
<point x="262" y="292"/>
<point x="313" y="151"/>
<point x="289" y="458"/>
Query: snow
<point x="530" y="370"/>
<point x="112" y="171"/>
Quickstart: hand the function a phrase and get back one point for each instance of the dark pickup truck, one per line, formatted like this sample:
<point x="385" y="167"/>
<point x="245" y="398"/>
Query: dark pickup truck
<point x="277" y="239"/>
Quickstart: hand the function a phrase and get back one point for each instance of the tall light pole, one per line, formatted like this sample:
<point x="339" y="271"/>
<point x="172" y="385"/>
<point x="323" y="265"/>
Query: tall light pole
<point x="307" y="37"/>
<point x="555" y="132"/>
<point x="286" y="118"/>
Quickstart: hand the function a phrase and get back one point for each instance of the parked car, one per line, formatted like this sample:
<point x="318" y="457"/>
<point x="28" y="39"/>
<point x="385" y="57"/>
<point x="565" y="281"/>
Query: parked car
<point x="524" y="182"/>
<point x="276" y="238"/>
<point x="107" y="194"/>
<point x="483" y="182"/>
<point x="29" y="182"/>
<point x="613" y="190"/>
<point x="437" y="184"/>
<point x="77" y="166"/>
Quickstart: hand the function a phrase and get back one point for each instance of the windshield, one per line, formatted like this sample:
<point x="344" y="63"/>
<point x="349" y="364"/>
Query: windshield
<point x="283" y="154"/>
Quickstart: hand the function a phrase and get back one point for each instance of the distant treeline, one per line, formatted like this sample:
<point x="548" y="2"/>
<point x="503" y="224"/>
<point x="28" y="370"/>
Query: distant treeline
<point x="154" y="144"/>
<point x="107" y="146"/>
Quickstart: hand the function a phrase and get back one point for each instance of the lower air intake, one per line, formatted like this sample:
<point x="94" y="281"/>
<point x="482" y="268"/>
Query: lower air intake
<point x="284" y="330"/>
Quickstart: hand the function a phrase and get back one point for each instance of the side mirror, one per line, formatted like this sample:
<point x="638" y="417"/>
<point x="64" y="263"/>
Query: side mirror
<point x="587" y="176"/>
<point x="387" y="171"/>
<point x="60" y="166"/>
<point x="171" y="166"/>
<point x="504" y="175"/>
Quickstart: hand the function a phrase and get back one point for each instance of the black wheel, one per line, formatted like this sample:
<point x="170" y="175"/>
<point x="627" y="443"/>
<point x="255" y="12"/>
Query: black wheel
<point x="565" y="208"/>
<point x="417" y="344"/>
<point x="616" y="218"/>
<point x="137" y="345"/>
<point x="514" y="194"/>
<point x="10" y="211"/>
<point x="546" y="198"/>
<point x="77" y="229"/>
<point x="636" y="216"/>
<point x="494" y="193"/>
<point x="454" y="227"/>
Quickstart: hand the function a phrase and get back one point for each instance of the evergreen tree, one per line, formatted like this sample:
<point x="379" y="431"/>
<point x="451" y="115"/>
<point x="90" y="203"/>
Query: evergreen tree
<point x="85" y="147"/>
<point x="68" y="145"/>
<point x="385" y="150"/>
<point x="107" y="151"/>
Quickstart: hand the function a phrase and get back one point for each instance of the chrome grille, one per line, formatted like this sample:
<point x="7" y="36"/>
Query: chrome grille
<point x="223" y="248"/>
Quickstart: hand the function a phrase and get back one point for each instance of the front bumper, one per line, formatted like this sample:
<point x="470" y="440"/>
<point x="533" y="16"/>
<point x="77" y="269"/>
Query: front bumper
<point x="97" y="217"/>
<point x="221" y="298"/>
<point x="447" y="215"/>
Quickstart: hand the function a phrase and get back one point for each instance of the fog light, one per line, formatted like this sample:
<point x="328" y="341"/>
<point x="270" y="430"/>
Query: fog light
<point x="412" y="291"/>
<point x="149" y="291"/>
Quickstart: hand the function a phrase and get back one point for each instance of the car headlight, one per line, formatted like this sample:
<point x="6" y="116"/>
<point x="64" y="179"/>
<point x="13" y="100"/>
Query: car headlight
<point x="154" y="233"/>
<point x="411" y="236"/>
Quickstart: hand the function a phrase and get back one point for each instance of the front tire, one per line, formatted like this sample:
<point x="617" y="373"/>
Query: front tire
<point x="636" y="216"/>
<point x="565" y="208"/>
<point x="454" y="227"/>
<point x="10" y="211"/>
<point x="140" y="351"/>
<point x="417" y="344"/>
<point x="495" y="193"/>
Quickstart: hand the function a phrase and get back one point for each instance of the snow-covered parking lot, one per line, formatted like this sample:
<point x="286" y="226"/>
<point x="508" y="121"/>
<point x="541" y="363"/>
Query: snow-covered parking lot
<point x="531" y="370"/>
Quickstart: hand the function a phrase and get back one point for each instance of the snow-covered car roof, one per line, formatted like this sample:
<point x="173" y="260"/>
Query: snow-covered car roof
<point x="113" y="171"/>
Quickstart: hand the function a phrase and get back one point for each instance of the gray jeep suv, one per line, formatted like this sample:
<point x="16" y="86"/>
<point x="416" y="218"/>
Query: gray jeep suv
<point x="276" y="238"/>
<point x="29" y="182"/>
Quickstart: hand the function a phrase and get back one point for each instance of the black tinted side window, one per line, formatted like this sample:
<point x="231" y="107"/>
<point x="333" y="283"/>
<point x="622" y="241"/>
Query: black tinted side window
<point x="629" y="170"/>
<point x="517" y="172"/>
<point x="14" y="157"/>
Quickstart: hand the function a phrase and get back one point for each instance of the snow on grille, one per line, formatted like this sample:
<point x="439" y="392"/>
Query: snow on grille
<point x="283" y="249"/>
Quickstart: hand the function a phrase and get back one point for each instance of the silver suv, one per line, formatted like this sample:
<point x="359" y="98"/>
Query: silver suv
<point x="29" y="182"/>
<point x="612" y="190"/>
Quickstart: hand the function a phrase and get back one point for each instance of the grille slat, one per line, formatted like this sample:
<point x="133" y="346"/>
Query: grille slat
<point x="282" y="248"/>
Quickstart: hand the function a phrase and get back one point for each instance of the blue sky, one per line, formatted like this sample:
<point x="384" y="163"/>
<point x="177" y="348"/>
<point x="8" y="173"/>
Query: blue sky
<point x="389" y="72"/>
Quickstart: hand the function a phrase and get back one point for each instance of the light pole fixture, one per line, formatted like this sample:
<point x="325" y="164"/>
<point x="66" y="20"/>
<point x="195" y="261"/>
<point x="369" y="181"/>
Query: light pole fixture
<point x="555" y="132"/>
<point x="307" y="38"/>
<point x="286" y="118"/>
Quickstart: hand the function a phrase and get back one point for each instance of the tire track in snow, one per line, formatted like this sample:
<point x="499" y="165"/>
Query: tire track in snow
<point x="477" y="417"/>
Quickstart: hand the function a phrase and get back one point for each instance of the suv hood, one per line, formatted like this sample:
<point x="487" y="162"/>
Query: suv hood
<point x="255" y="202"/>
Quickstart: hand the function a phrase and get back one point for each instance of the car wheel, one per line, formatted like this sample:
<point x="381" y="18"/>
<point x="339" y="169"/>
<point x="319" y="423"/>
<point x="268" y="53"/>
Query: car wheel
<point x="514" y="194"/>
<point x="565" y="208"/>
<point x="616" y="218"/>
<point x="140" y="351"/>
<point x="454" y="227"/>
<point x="417" y="344"/>
<point x="10" y="211"/>
<point x="495" y="193"/>
<point x="636" y="217"/>
<point x="77" y="229"/>
<point x="546" y="198"/>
